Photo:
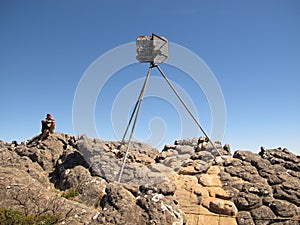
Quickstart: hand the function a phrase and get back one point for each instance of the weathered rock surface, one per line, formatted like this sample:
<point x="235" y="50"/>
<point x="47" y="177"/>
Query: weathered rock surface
<point x="265" y="186"/>
<point x="185" y="183"/>
<point x="147" y="207"/>
<point x="105" y="159"/>
<point x="25" y="185"/>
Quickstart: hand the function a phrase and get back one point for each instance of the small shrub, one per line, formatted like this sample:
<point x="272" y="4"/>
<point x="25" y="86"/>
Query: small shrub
<point x="11" y="216"/>
<point x="71" y="193"/>
<point x="17" y="217"/>
<point x="47" y="219"/>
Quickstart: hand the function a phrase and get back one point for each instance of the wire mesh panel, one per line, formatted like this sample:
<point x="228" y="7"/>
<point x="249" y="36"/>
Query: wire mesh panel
<point x="152" y="49"/>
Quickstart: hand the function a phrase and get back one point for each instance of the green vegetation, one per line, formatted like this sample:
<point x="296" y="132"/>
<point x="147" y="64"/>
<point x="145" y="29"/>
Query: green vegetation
<point x="17" y="217"/>
<point x="71" y="193"/>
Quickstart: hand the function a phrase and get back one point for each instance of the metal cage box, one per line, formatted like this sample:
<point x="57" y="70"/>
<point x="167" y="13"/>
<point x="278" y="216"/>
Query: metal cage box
<point x="152" y="49"/>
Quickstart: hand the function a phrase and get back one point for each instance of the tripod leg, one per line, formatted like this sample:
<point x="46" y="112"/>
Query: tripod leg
<point x="139" y="103"/>
<point x="187" y="109"/>
<point x="131" y="117"/>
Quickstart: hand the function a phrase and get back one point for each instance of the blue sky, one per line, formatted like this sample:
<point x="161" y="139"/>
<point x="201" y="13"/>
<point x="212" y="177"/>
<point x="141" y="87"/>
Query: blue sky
<point x="252" y="47"/>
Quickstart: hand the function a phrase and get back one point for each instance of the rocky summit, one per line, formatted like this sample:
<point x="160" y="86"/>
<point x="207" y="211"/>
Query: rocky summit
<point x="68" y="180"/>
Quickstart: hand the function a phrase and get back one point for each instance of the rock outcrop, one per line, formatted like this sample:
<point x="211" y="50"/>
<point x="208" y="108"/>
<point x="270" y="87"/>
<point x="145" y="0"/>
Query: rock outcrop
<point x="25" y="183"/>
<point x="265" y="186"/>
<point x="76" y="182"/>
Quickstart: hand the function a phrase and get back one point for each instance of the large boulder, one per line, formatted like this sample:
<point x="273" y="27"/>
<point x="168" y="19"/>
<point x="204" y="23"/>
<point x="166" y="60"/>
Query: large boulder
<point x="220" y="206"/>
<point x="262" y="215"/>
<point x="283" y="208"/>
<point x="120" y="206"/>
<point x="106" y="159"/>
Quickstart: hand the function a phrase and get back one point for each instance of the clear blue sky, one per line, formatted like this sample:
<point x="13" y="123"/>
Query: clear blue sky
<point x="253" y="48"/>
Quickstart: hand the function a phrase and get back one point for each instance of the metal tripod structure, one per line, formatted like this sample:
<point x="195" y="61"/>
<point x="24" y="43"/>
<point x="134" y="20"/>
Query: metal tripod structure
<point x="137" y="108"/>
